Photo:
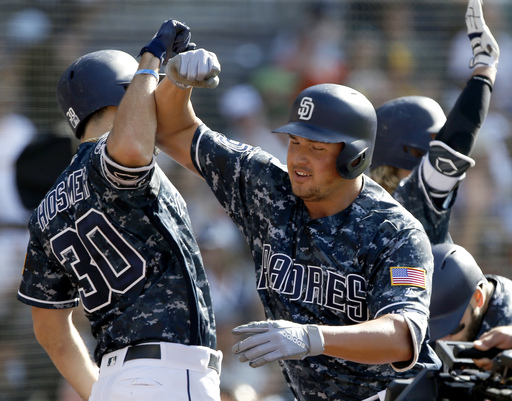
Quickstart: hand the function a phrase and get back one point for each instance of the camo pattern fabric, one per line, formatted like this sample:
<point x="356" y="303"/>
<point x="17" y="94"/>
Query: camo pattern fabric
<point x="413" y="194"/>
<point x="330" y="271"/>
<point x="499" y="311"/>
<point x="120" y="240"/>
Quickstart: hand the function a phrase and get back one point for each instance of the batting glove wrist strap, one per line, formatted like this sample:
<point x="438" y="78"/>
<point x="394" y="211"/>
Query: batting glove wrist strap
<point x="316" y="340"/>
<point x="485" y="48"/>
<point x="277" y="339"/>
<point x="198" y="68"/>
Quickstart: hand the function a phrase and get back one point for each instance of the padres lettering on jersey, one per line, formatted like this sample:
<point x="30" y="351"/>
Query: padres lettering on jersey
<point x="333" y="290"/>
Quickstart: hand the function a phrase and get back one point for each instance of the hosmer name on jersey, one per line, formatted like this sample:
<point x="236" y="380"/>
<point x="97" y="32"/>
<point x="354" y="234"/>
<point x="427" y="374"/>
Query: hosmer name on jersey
<point x="314" y="284"/>
<point x="64" y="195"/>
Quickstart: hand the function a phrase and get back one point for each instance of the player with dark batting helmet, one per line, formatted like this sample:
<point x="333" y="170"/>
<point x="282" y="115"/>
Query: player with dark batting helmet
<point x="335" y="120"/>
<point x="343" y="270"/>
<point x="114" y="234"/>
<point x="92" y="82"/>
<point x="420" y="155"/>
<point x="466" y="303"/>
<point x="405" y="128"/>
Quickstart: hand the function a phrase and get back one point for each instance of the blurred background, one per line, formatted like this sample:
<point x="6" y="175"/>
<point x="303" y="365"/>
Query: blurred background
<point x="269" y="51"/>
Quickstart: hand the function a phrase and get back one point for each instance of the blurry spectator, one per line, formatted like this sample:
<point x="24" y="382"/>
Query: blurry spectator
<point x="15" y="132"/>
<point x="242" y="107"/>
<point x="21" y="359"/>
<point x="314" y="52"/>
<point x="366" y="52"/>
<point x="401" y="44"/>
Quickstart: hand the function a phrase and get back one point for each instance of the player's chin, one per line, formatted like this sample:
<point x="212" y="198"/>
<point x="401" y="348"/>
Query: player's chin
<point x="305" y="193"/>
<point x="297" y="189"/>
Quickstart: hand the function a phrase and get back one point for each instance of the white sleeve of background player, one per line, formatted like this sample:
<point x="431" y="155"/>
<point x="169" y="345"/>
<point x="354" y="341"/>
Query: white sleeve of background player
<point x="123" y="177"/>
<point x="449" y="169"/>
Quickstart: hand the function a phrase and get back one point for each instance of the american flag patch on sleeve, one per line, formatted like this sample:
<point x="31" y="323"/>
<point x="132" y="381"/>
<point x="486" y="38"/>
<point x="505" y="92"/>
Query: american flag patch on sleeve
<point x="408" y="276"/>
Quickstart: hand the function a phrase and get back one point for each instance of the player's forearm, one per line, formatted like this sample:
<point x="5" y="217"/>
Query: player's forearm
<point x="468" y="114"/>
<point x="75" y="365"/>
<point x="176" y="122"/>
<point x="132" y="139"/>
<point x="486" y="71"/>
<point x="383" y="340"/>
<point x="58" y="336"/>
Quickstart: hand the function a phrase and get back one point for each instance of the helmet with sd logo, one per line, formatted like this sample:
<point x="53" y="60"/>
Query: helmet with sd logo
<point x="95" y="80"/>
<point x="334" y="113"/>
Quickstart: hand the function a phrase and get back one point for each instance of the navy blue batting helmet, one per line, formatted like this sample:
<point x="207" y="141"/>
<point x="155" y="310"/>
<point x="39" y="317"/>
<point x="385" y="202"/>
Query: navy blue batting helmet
<point x="403" y="125"/>
<point x="455" y="280"/>
<point x="334" y="113"/>
<point x="94" y="81"/>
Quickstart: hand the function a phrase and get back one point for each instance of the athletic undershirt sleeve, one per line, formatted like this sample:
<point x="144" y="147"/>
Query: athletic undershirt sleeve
<point x="467" y="116"/>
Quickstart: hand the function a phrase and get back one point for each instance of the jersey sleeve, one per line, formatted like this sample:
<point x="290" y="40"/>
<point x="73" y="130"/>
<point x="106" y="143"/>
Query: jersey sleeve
<point x="44" y="283"/>
<point x="121" y="177"/>
<point x="233" y="170"/>
<point x="414" y="195"/>
<point x="402" y="285"/>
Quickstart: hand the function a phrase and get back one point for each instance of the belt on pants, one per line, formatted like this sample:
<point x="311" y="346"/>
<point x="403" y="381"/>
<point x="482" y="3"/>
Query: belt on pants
<point x="153" y="351"/>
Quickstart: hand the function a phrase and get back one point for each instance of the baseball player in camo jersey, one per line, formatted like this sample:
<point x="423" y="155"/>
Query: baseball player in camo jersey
<point x="114" y="233"/>
<point x="465" y="303"/>
<point x="424" y="174"/>
<point x="343" y="270"/>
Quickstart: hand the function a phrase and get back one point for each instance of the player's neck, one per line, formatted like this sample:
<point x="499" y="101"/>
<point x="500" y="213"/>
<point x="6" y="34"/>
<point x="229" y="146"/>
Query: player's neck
<point x="97" y="127"/>
<point x="488" y="291"/>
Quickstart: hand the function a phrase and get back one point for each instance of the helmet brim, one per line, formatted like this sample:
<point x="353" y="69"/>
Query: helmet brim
<point x="311" y="132"/>
<point x="443" y="325"/>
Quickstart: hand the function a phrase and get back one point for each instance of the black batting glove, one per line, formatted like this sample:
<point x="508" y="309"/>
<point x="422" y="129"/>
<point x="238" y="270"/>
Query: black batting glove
<point x="172" y="38"/>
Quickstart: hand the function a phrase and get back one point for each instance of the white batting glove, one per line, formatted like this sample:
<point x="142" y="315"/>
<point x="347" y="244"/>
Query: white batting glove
<point x="277" y="339"/>
<point x="485" y="48"/>
<point x="198" y="68"/>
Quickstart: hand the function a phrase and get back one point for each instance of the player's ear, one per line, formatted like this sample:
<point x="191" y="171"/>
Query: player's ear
<point x="478" y="297"/>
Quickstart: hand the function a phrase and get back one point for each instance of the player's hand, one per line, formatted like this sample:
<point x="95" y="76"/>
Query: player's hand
<point x="198" y="68"/>
<point x="172" y="38"/>
<point x="499" y="337"/>
<point x="277" y="339"/>
<point x="485" y="48"/>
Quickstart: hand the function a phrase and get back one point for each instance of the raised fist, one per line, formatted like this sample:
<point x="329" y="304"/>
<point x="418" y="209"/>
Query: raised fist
<point x="198" y="68"/>
<point x="172" y="38"/>
<point x="485" y="48"/>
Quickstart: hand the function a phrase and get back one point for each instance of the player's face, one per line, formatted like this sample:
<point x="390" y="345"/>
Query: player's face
<point x="312" y="169"/>
<point x="468" y="328"/>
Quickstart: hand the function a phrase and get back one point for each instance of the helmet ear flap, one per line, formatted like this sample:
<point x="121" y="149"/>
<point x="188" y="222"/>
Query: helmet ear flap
<point x="352" y="160"/>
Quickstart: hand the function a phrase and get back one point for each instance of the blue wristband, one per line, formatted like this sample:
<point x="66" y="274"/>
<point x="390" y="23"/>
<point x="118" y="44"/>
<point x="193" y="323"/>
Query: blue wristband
<point x="148" y="71"/>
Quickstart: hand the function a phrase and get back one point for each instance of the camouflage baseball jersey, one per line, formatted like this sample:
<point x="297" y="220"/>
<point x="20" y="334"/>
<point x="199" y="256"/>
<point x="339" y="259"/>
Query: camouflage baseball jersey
<point x="413" y="194"/>
<point x="499" y="311"/>
<point x="369" y="260"/>
<point x="120" y="240"/>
